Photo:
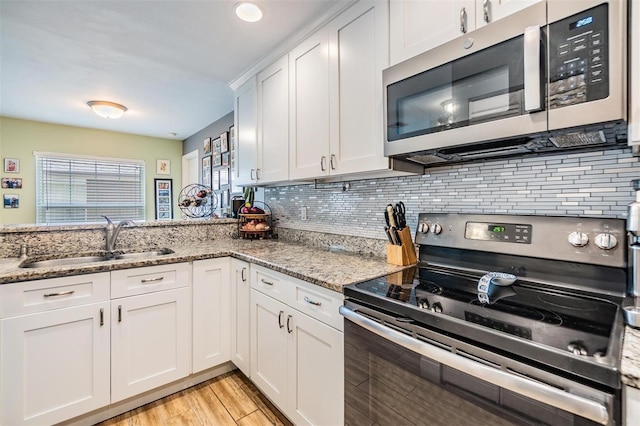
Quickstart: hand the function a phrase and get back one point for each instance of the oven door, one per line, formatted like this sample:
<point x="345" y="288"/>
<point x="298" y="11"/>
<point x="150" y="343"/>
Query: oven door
<point x="455" y="93"/>
<point x="397" y="376"/>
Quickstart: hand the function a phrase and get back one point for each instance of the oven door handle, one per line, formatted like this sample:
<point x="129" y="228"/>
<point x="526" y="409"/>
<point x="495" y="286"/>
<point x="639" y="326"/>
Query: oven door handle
<point x="546" y="394"/>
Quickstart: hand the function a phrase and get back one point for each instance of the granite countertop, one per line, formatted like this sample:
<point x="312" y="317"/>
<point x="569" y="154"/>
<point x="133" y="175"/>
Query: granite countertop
<point x="331" y="270"/>
<point x="630" y="366"/>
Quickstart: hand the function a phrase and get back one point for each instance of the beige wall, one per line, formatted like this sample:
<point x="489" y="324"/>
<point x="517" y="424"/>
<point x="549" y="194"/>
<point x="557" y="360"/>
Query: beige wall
<point x="20" y="138"/>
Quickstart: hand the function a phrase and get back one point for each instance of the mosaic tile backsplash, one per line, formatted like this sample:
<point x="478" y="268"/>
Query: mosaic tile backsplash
<point x="580" y="184"/>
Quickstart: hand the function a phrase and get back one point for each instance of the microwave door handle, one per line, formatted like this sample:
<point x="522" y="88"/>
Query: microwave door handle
<point x="532" y="69"/>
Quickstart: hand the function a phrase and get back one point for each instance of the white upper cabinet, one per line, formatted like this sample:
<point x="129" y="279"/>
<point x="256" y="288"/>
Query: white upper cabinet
<point x="246" y="117"/>
<point x="358" y="43"/>
<point x="418" y="25"/>
<point x="488" y="11"/>
<point x="273" y="123"/>
<point x="309" y="129"/>
<point x="336" y="95"/>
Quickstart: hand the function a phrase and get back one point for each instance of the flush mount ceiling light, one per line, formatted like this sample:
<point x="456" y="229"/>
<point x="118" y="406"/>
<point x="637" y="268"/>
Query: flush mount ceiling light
<point x="248" y="12"/>
<point x="107" y="109"/>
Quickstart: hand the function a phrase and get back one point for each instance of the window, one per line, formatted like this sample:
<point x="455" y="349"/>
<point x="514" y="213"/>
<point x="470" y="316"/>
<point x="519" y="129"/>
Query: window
<point x="75" y="189"/>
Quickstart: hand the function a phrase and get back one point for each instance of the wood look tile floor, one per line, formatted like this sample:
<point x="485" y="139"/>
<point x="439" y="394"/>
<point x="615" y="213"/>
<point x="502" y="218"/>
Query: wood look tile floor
<point x="229" y="399"/>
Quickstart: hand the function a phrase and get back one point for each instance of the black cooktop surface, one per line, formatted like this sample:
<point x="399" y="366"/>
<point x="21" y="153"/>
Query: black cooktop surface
<point x="548" y="317"/>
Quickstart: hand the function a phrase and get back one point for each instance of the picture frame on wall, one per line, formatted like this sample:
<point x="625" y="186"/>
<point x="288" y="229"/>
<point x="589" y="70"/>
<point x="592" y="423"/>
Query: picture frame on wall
<point x="11" y="183"/>
<point x="224" y="142"/>
<point x="163" y="191"/>
<point x="11" y="165"/>
<point x="206" y="170"/>
<point x="215" y="180"/>
<point x="224" y="177"/>
<point x="232" y="138"/>
<point x="216" y="146"/>
<point x="225" y="159"/>
<point x="217" y="160"/>
<point x="206" y="146"/>
<point x="163" y="167"/>
<point x="11" y="201"/>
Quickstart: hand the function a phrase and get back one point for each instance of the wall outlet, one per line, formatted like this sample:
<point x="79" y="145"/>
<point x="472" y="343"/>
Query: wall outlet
<point x="303" y="213"/>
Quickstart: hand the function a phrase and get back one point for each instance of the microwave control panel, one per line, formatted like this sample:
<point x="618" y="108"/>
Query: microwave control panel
<point x="578" y="58"/>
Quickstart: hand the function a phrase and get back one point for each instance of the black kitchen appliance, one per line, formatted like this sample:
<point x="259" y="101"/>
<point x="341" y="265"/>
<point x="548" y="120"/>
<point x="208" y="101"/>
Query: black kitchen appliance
<point x="505" y="320"/>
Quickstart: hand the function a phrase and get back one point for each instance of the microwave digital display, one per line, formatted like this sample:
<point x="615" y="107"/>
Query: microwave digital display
<point x="581" y="23"/>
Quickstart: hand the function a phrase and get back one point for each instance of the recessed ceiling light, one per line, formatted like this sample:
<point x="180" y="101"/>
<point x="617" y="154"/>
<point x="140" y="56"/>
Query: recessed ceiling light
<point x="107" y="109"/>
<point x="248" y="12"/>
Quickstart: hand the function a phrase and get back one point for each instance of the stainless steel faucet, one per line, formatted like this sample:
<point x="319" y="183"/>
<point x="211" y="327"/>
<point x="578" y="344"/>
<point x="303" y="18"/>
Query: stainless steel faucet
<point x="112" y="232"/>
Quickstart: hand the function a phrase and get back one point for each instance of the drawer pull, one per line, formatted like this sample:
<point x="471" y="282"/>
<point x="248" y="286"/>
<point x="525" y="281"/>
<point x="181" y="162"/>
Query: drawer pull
<point x="306" y="299"/>
<point x="265" y="281"/>
<point x="119" y="313"/>
<point x="289" y="329"/>
<point x="280" y="319"/>
<point x="151" y="280"/>
<point x="62" y="293"/>
<point x="101" y="317"/>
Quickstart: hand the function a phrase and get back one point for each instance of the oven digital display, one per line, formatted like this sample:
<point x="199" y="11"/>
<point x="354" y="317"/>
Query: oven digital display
<point x="581" y="23"/>
<point x="500" y="232"/>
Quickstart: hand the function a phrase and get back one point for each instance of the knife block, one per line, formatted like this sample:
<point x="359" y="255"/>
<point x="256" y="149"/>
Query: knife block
<point x="406" y="253"/>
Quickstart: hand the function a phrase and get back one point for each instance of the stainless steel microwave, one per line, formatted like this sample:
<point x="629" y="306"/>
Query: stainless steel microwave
<point x="550" y="77"/>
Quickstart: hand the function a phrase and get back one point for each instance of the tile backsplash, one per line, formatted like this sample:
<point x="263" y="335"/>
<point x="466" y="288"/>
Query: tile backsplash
<point x="580" y="184"/>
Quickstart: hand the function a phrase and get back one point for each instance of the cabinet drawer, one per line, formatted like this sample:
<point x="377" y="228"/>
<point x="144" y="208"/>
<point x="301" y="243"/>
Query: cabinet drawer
<point x="317" y="302"/>
<point x="270" y="282"/>
<point x="130" y="282"/>
<point x="54" y="293"/>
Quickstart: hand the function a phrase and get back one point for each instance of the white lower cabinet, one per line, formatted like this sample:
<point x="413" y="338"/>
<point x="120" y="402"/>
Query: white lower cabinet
<point x="631" y="405"/>
<point x="211" y="313"/>
<point x="296" y="359"/>
<point x="240" y="323"/>
<point x="54" y="349"/>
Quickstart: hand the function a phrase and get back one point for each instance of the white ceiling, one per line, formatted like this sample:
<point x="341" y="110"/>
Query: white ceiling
<point x="169" y="61"/>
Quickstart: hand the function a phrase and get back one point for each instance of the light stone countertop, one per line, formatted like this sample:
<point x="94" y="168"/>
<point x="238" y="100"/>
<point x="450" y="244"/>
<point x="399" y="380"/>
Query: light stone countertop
<point x="331" y="270"/>
<point x="630" y="365"/>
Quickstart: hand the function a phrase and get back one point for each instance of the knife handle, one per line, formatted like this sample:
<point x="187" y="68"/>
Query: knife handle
<point x="396" y="235"/>
<point x="388" y="232"/>
<point x="392" y="216"/>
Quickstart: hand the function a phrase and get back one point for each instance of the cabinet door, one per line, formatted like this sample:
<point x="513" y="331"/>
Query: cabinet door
<point x="269" y="338"/>
<point x="488" y="11"/>
<point x="54" y="365"/>
<point x="417" y="25"/>
<point x="309" y="107"/>
<point x="150" y="341"/>
<point x="631" y="405"/>
<point x="359" y="42"/>
<point x="273" y="123"/>
<point x="316" y="373"/>
<point x="240" y="312"/>
<point x="246" y="138"/>
<point x="211" y="313"/>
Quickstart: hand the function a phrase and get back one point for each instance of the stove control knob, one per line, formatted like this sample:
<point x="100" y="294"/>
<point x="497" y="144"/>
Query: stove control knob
<point x="577" y="348"/>
<point x="578" y="239"/>
<point x="436" y="228"/>
<point x="436" y="307"/>
<point x="423" y="227"/>
<point x="606" y="241"/>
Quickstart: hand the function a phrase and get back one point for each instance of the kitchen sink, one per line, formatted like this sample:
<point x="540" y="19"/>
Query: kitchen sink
<point x="77" y="259"/>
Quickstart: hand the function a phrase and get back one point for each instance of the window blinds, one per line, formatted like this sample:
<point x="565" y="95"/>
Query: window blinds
<point x="72" y="189"/>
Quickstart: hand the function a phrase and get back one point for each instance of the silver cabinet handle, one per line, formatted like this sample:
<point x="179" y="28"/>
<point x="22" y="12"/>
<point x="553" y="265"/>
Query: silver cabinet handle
<point x="532" y="69"/>
<point x="332" y="161"/>
<point x="258" y="174"/>
<point x="151" y="280"/>
<point x="119" y="313"/>
<point x="280" y="319"/>
<point x="485" y="10"/>
<point x="322" y="161"/>
<point x="546" y="394"/>
<point x="251" y="175"/>
<point x="101" y="317"/>
<point x="306" y="299"/>
<point x="289" y="329"/>
<point x="242" y="275"/>
<point x="463" y="20"/>
<point x="265" y="281"/>
<point x="62" y="293"/>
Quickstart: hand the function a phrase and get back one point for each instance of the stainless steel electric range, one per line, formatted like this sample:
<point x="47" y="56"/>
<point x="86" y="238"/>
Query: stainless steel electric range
<point x="505" y="320"/>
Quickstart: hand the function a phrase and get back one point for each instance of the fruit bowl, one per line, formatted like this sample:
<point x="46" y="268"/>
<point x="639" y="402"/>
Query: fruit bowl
<point x="254" y="221"/>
